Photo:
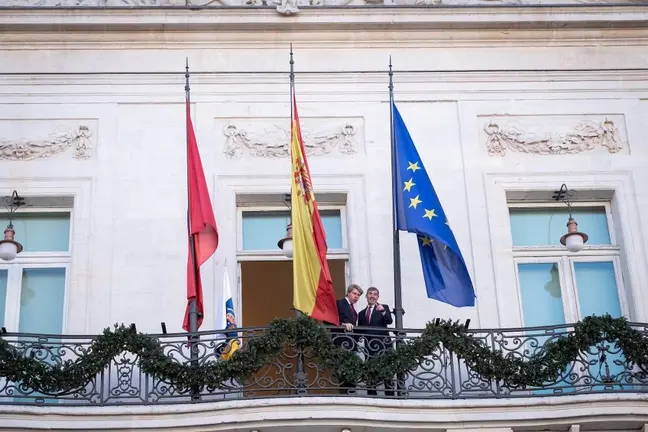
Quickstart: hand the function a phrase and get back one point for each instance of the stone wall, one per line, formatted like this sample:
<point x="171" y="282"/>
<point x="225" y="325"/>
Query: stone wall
<point x="490" y="110"/>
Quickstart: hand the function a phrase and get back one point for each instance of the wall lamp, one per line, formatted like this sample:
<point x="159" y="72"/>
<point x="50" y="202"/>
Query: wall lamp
<point x="9" y="247"/>
<point x="574" y="240"/>
<point x="286" y="243"/>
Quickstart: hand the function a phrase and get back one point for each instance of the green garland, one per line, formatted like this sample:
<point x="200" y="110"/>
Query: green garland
<point x="547" y="366"/>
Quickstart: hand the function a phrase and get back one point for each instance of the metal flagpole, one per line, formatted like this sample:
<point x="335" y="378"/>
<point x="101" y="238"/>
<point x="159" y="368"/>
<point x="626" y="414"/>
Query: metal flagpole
<point x="298" y="313"/>
<point x="193" y="309"/>
<point x="398" y="288"/>
<point x="292" y="88"/>
<point x="193" y="306"/>
<point x="300" y="372"/>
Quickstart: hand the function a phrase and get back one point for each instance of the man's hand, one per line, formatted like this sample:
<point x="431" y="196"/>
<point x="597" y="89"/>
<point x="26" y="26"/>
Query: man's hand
<point x="348" y="326"/>
<point x="380" y="308"/>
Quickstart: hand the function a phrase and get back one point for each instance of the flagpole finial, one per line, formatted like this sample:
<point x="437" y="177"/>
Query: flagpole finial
<point x="187" y="75"/>
<point x="391" y="76"/>
<point x="292" y="65"/>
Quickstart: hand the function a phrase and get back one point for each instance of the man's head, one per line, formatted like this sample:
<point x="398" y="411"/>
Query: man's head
<point x="372" y="296"/>
<point x="353" y="293"/>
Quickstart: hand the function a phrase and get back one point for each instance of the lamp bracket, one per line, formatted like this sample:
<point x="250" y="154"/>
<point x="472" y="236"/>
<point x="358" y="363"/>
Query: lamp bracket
<point x="565" y="195"/>
<point x="287" y="199"/>
<point x="11" y="203"/>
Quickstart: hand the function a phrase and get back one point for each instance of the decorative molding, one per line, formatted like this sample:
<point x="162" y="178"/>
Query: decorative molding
<point x="318" y="412"/>
<point x="274" y="141"/>
<point x="86" y="3"/>
<point x="284" y="7"/>
<point x="293" y="3"/>
<point x="25" y="149"/>
<point x="585" y="136"/>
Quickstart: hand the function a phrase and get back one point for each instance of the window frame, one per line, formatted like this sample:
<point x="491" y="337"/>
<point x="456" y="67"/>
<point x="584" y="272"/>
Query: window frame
<point x="272" y="255"/>
<point x="567" y="295"/>
<point x="27" y="260"/>
<point x="616" y="264"/>
<point x="277" y="255"/>
<point x="559" y="249"/>
<point x="544" y="254"/>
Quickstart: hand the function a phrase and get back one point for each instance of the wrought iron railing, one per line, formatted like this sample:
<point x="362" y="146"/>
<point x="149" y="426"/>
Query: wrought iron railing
<point x="297" y="371"/>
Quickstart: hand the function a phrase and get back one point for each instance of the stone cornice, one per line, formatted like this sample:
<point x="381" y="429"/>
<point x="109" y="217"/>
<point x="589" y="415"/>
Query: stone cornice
<point x="374" y="414"/>
<point x="379" y="17"/>
<point x="334" y="87"/>
<point x="411" y="39"/>
<point x="496" y="80"/>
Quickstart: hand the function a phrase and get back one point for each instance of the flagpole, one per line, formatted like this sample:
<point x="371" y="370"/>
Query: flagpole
<point x="292" y="88"/>
<point x="300" y="373"/>
<point x="298" y="313"/>
<point x="398" y="288"/>
<point x="193" y="309"/>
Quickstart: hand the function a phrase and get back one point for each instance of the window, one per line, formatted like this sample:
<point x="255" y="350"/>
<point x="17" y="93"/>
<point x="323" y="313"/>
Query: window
<point x="266" y="275"/>
<point x="33" y="286"/>
<point x="262" y="229"/>
<point x="557" y="286"/>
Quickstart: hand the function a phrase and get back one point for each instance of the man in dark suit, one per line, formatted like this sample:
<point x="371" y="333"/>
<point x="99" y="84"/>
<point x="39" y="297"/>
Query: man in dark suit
<point x="348" y="319"/>
<point x="376" y="341"/>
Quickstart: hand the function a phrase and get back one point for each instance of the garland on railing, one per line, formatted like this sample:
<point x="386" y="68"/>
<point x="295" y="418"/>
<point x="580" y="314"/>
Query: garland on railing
<point x="547" y="366"/>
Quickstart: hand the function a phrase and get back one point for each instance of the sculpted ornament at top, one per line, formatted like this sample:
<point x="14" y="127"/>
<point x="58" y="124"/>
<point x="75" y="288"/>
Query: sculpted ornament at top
<point x="275" y="142"/>
<point x="26" y="149"/>
<point x="585" y="136"/>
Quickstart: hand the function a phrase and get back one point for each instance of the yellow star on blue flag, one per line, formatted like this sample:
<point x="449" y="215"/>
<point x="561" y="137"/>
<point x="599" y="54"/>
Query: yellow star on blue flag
<point x="418" y="210"/>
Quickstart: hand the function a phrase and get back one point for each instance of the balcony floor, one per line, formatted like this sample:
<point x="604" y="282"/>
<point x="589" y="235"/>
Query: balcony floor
<point x="332" y="414"/>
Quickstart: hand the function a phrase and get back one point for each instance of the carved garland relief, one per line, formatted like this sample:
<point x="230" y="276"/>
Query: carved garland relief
<point x="275" y="142"/>
<point x="283" y="7"/>
<point x="216" y="3"/>
<point x="585" y="136"/>
<point x="26" y="149"/>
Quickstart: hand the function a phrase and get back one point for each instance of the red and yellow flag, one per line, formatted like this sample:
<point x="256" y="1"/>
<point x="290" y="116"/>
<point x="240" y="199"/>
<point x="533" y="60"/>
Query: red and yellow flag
<point x="313" y="287"/>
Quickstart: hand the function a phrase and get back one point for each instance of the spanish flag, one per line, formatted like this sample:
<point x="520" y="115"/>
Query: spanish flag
<point x="313" y="286"/>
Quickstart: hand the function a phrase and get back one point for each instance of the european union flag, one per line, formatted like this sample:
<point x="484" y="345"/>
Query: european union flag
<point x="419" y="211"/>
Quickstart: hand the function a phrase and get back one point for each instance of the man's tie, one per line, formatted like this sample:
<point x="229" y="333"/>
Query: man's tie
<point x="369" y="309"/>
<point x="355" y="314"/>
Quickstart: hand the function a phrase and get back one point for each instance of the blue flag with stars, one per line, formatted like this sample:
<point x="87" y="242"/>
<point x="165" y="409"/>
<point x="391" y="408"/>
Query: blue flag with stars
<point x="418" y="210"/>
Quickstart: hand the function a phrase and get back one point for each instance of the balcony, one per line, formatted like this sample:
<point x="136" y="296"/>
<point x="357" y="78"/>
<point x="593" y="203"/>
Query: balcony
<point x="298" y="357"/>
<point x="298" y="375"/>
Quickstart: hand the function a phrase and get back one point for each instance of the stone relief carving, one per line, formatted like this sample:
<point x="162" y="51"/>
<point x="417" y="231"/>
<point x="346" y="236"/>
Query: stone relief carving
<point x="287" y="7"/>
<point x="78" y="3"/>
<point x="25" y="149"/>
<point x="274" y="142"/>
<point x="585" y="136"/>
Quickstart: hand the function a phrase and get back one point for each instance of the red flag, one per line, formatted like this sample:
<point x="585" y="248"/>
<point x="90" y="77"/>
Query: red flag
<point x="202" y="224"/>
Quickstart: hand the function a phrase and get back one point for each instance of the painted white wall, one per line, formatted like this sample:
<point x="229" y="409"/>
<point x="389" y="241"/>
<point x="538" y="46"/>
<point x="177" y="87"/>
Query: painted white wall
<point x="129" y="247"/>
